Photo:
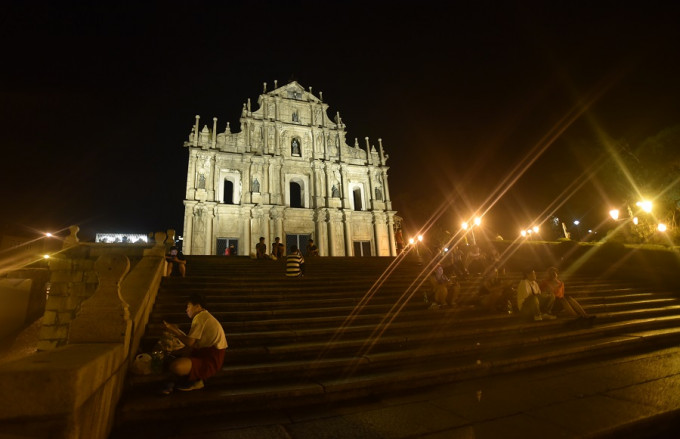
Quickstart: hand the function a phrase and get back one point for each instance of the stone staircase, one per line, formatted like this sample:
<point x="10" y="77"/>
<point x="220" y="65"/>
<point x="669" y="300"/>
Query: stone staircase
<point x="357" y="327"/>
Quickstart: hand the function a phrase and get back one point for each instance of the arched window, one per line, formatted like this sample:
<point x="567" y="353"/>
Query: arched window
<point x="228" y="192"/>
<point x="356" y="193"/>
<point x="295" y="195"/>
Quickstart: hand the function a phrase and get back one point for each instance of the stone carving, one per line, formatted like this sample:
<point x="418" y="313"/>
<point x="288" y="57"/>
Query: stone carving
<point x="271" y="136"/>
<point x="201" y="181"/>
<point x="378" y="193"/>
<point x="296" y="116"/>
<point x="334" y="191"/>
<point x="295" y="147"/>
<point x="256" y="185"/>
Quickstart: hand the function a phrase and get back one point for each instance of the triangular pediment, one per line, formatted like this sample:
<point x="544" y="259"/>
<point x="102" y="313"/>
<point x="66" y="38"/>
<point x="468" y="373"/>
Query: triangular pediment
<point x="293" y="90"/>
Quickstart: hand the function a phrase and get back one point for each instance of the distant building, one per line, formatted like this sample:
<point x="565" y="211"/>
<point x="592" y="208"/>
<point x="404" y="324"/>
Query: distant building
<point x="287" y="173"/>
<point x="134" y="238"/>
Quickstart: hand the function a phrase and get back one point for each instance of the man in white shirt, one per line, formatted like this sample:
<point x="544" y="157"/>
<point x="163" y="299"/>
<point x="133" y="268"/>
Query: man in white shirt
<point x="530" y="301"/>
<point x="205" y="345"/>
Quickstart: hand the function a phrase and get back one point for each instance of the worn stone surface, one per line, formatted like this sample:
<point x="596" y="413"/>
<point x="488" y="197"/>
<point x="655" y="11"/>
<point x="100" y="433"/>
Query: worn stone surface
<point x="555" y="402"/>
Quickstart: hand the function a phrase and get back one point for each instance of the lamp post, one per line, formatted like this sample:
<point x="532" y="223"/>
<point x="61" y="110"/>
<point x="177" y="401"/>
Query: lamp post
<point x="476" y="223"/>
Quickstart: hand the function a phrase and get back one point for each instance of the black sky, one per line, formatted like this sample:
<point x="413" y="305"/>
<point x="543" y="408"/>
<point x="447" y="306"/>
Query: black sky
<point x="98" y="97"/>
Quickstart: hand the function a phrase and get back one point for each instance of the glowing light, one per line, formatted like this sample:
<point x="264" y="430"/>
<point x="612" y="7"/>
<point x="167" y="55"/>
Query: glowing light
<point x="411" y="241"/>
<point x="614" y="213"/>
<point x="523" y="233"/>
<point x="464" y="226"/>
<point x="46" y="256"/>
<point x="590" y="231"/>
<point x="420" y="238"/>
<point x="48" y="234"/>
<point x="661" y="227"/>
<point x="536" y="229"/>
<point x="529" y="232"/>
<point x="446" y="249"/>
<point x="478" y="221"/>
<point x="645" y="205"/>
<point x="577" y="222"/>
<point x="635" y="221"/>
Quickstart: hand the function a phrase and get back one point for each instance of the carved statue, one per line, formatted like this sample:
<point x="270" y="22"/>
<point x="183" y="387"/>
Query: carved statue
<point x="378" y="193"/>
<point x="295" y="147"/>
<point x="201" y="181"/>
<point x="256" y="185"/>
<point x="335" y="192"/>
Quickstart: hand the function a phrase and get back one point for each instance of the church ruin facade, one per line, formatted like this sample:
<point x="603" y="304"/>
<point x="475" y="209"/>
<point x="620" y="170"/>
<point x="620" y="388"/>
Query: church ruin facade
<point x="287" y="173"/>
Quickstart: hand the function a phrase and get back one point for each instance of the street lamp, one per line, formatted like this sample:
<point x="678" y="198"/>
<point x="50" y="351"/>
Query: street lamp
<point x="661" y="227"/>
<point x="476" y="222"/>
<point x="614" y="213"/>
<point x="645" y="205"/>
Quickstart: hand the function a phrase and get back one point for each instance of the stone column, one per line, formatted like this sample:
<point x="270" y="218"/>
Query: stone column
<point x="370" y="200"/>
<point x="390" y="234"/>
<point x="188" y="228"/>
<point x="245" y="223"/>
<point x="209" y="237"/>
<point x="211" y="180"/>
<point x="346" y="204"/>
<point x="388" y="203"/>
<point x="191" y="176"/>
<point x="322" y="232"/>
<point x="347" y="221"/>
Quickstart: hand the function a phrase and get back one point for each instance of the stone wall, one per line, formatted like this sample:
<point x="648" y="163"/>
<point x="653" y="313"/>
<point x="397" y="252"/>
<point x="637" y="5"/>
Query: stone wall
<point x="71" y="389"/>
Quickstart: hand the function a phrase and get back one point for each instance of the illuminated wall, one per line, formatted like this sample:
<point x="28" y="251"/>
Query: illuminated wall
<point x="288" y="172"/>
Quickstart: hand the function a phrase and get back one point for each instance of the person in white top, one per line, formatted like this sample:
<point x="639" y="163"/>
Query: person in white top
<point x="531" y="302"/>
<point x="205" y="345"/>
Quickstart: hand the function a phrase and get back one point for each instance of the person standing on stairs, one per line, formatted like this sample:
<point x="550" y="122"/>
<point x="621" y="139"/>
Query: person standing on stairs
<point x="204" y="347"/>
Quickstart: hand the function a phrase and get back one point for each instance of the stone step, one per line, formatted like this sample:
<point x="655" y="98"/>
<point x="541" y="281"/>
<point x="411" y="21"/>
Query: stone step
<point x="243" y="397"/>
<point x="304" y="341"/>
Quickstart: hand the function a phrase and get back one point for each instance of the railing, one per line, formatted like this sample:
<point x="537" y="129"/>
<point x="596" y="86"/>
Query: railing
<point x="95" y="317"/>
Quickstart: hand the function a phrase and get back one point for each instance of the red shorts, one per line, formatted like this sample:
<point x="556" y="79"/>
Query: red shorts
<point x="205" y="362"/>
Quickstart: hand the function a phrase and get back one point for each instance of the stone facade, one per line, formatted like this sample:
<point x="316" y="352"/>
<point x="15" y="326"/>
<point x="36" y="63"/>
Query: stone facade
<point x="287" y="173"/>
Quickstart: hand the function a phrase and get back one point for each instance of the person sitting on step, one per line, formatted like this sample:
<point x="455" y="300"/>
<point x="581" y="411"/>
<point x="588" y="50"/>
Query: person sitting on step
<point x="495" y="294"/>
<point x="277" y="248"/>
<point x="553" y="285"/>
<point x="261" y="249"/>
<point x="176" y="262"/>
<point x="440" y="284"/>
<point x="293" y="263"/>
<point x="312" y="249"/>
<point x="204" y="347"/>
<point x="531" y="302"/>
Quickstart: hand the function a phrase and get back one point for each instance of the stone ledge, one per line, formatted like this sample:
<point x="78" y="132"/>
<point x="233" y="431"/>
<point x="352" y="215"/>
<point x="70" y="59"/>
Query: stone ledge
<point x="57" y="381"/>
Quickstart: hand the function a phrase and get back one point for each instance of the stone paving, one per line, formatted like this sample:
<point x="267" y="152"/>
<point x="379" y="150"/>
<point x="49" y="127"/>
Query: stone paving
<point x="634" y="396"/>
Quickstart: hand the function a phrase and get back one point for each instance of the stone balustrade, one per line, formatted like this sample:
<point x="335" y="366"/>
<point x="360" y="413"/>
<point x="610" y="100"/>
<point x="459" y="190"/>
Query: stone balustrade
<point x="99" y="301"/>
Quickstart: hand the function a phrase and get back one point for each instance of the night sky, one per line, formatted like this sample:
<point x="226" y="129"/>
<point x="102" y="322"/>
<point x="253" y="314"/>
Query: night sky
<point x="97" y="99"/>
